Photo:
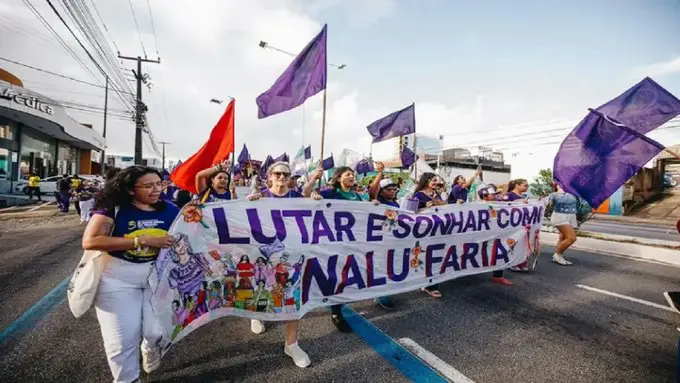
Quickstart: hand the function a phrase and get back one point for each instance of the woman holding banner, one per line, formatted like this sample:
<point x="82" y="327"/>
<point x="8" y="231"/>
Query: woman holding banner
<point x="516" y="190"/>
<point x="427" y="196"/>
<point x="212" y="183"/>
<point x="278" y="176"/>
<point x="384" y="191"/>
<point x="342" y="187"/>
<point x="565" y="206"/>
<point x="130" y="222"/>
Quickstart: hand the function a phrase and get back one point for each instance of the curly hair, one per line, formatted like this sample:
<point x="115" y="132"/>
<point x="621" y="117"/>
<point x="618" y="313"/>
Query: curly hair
<point x="118" y="190"/>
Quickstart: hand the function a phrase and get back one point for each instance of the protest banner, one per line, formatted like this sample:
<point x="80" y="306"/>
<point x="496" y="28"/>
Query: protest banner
<point x="278" y="258"/>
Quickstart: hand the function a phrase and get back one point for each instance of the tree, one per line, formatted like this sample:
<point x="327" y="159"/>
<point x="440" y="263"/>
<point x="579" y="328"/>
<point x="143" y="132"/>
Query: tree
<point x="542" y="185"/>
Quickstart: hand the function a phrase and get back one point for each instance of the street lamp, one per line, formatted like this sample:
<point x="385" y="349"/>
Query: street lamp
<point x="265" y="45"/>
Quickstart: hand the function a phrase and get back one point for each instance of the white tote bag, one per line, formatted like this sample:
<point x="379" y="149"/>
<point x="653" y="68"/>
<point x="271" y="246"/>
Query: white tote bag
<point x="85" y="280"/>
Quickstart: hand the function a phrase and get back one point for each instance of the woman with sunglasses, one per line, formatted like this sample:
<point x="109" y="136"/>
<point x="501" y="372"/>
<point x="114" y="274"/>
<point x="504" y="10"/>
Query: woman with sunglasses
<point x="427" y="196"/>
<point x="131" y="223"/>
<point x="384" y="191"/>
<point x="278" y="177"/>
<point x="212" y="183"/>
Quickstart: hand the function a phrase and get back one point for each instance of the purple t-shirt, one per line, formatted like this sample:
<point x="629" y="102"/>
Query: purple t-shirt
<point x="458" y="192"/>
<point x="291" y="194"/>
<point x="511" y="196"/>
<point x="423" y="199"/>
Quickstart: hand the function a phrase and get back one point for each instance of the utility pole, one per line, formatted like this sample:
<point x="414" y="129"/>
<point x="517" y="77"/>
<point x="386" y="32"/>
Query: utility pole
<point x="141" y="108"/>
<point x="106" y="106"/>
<point x="163" y="160"/>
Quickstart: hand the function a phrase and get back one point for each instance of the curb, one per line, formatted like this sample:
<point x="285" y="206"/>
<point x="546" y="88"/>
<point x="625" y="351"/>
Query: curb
<point x="619" y="238"/>
<point x="634" y="220"/>
<point x="21" y="215"/>
<point x="632" y="250"/>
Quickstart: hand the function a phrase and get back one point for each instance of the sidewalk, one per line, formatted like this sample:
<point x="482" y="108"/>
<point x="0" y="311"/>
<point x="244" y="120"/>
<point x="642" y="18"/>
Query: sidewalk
<point x="636" y="220"/>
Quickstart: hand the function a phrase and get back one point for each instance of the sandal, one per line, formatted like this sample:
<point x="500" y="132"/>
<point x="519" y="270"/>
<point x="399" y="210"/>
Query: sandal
<point x="432" y="293"/>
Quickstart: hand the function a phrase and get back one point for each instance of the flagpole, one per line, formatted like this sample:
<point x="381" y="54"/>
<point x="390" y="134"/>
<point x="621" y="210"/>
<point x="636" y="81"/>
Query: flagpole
<point x="323" y="123"/>
<point x="672" y="153"/>
<point x="415" y="166"/>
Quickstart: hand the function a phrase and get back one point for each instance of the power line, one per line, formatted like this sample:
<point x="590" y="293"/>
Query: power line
<point x="137" y="25"/>
<point x="153" y="27"/>
<point x="57" y="74"/>
<point x="104" y="25"/>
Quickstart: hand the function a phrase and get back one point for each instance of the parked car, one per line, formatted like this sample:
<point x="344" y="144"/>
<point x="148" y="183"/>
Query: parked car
<point x="47" y="185"/>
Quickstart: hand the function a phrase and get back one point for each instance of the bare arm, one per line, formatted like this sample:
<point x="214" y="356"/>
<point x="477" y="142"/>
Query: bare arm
<point x="97" y="236"/>
<point x="203" y="175"/>
<point x="375" y="185"/>
<point x="308" y="188"/>
<point x="472" y="179"/>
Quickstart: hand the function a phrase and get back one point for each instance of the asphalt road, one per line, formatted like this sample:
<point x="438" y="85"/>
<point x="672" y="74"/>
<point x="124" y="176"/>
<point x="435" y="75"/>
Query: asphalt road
<point x="541" y="329"/>
<point x="633" y="230"/>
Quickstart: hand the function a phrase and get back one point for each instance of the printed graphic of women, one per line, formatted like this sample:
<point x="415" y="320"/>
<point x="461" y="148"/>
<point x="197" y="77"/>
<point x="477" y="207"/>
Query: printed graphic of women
<point x="289" y="301"/>
<point x="297" y="269"/>
<point x="189" y="271"/>
<point x="178" y="317"/>
<point x="264" y="272"/>
<point x="202" y="300"/>
<point x="282" y="269"/>
<point x="246" y="271"/>
<point x="263" y="298"/>
<point x="215" y="295"/>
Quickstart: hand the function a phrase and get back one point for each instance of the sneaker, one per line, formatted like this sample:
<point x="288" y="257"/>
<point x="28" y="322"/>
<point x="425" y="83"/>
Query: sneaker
<point x="151" y="359"/>
<point x="559" y="259"/>
<point x="385" y="302"/>
<point x="519" y="269"/>
<point x="257" y="326"/>
<point x="340" y="322"/>
<point x="300" y="357"/>
<point x="501" y="281"/>
<point x="673" y="299"/>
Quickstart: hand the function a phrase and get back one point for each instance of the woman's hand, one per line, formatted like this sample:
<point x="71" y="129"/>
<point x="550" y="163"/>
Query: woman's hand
<point x="158" y="242"/>
<point x="316" y="196"/>
<point x="317" y="173"/>
<point x="376" y="202"/>
<point x="225" y="165"/>
<point x="380" y="167"/>
<point x="232" y="187"/>
<point x="429" y="204"/>
<point x="460" y="201"/>
<point x="254" y="196"/>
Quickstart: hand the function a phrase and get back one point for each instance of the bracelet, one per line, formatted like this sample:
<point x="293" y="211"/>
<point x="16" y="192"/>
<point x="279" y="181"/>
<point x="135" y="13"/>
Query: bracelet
<point x="136" y="243"/>
<point x="218" y="167"/>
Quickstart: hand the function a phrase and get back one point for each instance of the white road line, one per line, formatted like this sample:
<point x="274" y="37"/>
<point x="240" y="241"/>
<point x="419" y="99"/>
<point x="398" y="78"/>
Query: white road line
<point x="626" y="297"/>
<point x="39" y="206"/>
<point x="442" y="367"/>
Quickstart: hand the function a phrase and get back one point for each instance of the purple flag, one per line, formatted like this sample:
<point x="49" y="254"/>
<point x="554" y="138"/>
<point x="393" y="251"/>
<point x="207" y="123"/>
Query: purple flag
<point x="599" y="156"/>
<point x="364" y="166"/>
<point x="328" y="163"/>
<point x="399" y="123"/>
<point x="308" y="152"/>
<point x="282" y="158"/>
<point x="304" y="77"/>
<point x="265" y="166"/>
<point x="244" y="156"/>
<point x="408" y="158"/>
<point x="644" y="107"/>
<point x="236" y="169"/>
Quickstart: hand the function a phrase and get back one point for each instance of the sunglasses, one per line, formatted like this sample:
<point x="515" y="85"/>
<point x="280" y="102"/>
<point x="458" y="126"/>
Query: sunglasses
<point x="281" y="174"/>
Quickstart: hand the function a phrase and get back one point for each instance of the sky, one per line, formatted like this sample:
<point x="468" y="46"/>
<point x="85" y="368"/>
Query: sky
<point x="516" y="76"/>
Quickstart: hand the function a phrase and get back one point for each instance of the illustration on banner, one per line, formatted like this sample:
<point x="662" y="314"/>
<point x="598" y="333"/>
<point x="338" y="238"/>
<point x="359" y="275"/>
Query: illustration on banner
<point x="266" y="282"/>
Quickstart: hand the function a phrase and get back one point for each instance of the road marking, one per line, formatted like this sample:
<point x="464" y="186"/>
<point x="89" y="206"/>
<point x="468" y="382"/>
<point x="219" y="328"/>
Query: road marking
<point x="444" y="368"/>
<point x="628" y="257"/>
<point x="37" y="312"/>
<point x="39" y="206"/>
<point x="399" y="356"/>
<point x="626" y="297"/>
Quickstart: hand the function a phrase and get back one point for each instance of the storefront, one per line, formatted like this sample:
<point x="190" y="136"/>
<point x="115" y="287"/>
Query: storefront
<point x="38" y="137"/>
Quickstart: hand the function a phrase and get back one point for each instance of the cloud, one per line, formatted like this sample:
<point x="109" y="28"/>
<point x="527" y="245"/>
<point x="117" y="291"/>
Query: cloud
<point x="659" y="69"/>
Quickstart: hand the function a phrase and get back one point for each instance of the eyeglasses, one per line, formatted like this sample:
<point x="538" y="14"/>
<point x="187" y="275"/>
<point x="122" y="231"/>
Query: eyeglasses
<point x="281" y="174"/>
<point x="392" y="189"/>
<point x="151" y="185"/>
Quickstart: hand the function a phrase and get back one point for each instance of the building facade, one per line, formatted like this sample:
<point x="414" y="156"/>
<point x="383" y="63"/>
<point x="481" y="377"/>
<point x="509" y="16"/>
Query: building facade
<point x="37" y="136"/>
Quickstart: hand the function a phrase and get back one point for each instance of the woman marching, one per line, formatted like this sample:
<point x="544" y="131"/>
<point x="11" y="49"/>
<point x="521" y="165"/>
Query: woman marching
<point x="342" y="188"/>
<point x="214" y="183"/>
<point x="278" y="176"/>
<point x="516" y="190"/>
<point x="427" y="196"/>
<point x="130" y="222"/>
<point x="384" y="191"/>
<point x="459" y="190"/>
<point x="565" y="206"/>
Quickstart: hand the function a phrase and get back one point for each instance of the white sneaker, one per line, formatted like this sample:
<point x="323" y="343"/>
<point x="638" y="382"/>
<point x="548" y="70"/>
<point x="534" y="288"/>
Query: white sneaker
<point x="300" y="358"/>
<point x="151" y="359"/>
<point x="559" y="259"/>
<point x="256" y="326"/>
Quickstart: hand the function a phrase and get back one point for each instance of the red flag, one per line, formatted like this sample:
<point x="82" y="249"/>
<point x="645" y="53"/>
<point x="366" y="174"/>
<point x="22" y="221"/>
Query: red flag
<point x="217" y="149"/>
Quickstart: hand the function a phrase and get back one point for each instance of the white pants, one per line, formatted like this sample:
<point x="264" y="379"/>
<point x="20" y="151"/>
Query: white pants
<point x="85" y="209"/>
<point x="123" y="306"/>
